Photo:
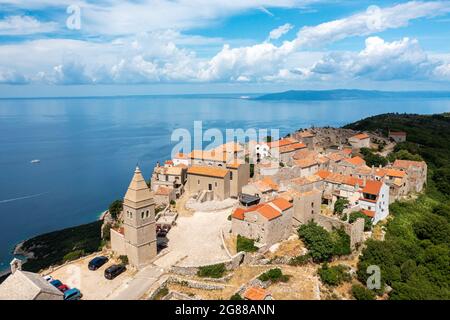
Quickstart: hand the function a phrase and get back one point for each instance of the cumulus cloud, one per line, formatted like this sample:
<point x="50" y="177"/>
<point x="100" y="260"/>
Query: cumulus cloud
<point x="162" y="55"/>
<point x="25" y="25"/>
<point x="380" y="60"/>
<point x="280" y="31"/>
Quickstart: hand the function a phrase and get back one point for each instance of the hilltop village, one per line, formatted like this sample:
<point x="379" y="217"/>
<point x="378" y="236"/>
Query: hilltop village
<point x="234" y="221"/>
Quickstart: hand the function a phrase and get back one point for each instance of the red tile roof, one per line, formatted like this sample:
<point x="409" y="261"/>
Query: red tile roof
<point x="255" y="293"/>
<point x="208" y="171"/>
<point x="281" y="203"/>
<point x="361" y="136"/>
<point x="372" y="187"/>
<point x="356" y="161"/>
<point x="270" y="210"/>
<point x="405" y="164"/>
<point x="369" y="213"/>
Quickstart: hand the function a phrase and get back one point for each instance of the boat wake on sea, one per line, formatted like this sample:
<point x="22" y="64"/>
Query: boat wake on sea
<point x="23" y="198"/>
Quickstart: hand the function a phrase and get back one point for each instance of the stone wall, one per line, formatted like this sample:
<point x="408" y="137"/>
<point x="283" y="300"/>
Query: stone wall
<point x="354" y="230"/>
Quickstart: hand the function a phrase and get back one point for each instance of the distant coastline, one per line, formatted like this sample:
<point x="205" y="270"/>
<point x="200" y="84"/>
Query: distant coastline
<point x="350" y="94"/>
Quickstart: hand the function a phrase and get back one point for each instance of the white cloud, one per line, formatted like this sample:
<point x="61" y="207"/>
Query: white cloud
<point x="280" y="31"/>
<point x="164" y="55"/>
<point x="24" y="25"/>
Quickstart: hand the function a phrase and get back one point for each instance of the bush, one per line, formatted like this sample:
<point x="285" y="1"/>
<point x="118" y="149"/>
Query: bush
<point x="362" y="293"/>
<point x="236" y="296"/>
<point x="212" y="271"/>
<point x="340" y="205"/>
<point x="341" y="243"/>
<point x="123" y="260"/>
<point x="106" y="232"/>
<point x="373" y="159"/>
<point x="333" y="276"/>
<point x="317" y="240"/>
<point x="172" y="202"/>
<point x="367" y="220"/>
<point x="245" y="244"/>
<point x="300" y="260"/>
<point x="161" y="293"/>
<point x="115" y="208"/>
<point x="73" y="255"/>
<point x="274" y="275"/>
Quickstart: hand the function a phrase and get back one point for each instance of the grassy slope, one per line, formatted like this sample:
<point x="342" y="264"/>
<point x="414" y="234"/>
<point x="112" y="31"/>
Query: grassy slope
<point x="416" y="266"/>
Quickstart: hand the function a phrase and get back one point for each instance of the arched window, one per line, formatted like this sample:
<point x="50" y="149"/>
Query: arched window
<point x="142" y="215"/>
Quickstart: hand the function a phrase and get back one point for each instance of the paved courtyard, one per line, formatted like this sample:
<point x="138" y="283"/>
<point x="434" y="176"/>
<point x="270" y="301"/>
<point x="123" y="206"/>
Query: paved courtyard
<point x="92" y="284"/>
<point x="196" y="240"/>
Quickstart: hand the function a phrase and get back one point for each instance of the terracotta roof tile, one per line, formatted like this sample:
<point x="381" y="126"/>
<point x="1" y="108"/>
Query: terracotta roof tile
<point x="372" y="187"/>
<point x="255" y="293"/>
<point x="356" y="161"/>
<point x="361" y="136"/>
<point x="369" y="213"/>
<point x="405" y="164"/>
<point x="208" y="171"/>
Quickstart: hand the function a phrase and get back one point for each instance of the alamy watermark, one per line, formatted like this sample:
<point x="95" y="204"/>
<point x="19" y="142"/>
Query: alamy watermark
<point x="73" y="22"/>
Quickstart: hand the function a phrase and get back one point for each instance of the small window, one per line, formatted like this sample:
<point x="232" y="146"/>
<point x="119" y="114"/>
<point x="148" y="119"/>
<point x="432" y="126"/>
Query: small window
<point x="198" y="182"/>
<point x="131" y="215"/>
<point x="215" y="184"/>
<point x="231" y="175"/>
<point x="142" y="215"/>
<point x="147" y="214"/>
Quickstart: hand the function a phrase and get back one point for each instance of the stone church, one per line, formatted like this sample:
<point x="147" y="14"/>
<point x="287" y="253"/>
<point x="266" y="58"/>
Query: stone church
<point x="137" y="237"/>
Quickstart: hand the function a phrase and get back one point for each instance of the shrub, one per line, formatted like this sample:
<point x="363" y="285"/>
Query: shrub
<point x="362" y="293"/>
<point x="300" y="260"/>
<point x="161" y="293"/>
<point x="367" y="220"/>
<point x="245" y="244"/>
<point x="73" y="255"/>
<point x="236" y="296"/>
<point x="172" y="202"/>
<point x="123" y="260"/>
<point x="212" y="271"/>
<point x="333" y="276"/>
<point x="106" y="232"/>
<point x="274" y="275"/>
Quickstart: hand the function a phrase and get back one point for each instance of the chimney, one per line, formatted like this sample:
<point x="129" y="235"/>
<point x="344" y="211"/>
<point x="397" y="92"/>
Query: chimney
<point x="16" y="264"/>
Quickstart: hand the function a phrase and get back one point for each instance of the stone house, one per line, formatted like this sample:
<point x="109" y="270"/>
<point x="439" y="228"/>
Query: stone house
<point x="136" y="239"/>
<point x="267" y="223"/>
<point x="307" y="166"/>
<point x="374" y="200"/>
<point x="361" y="140"/>
<point x="169" y="176"/>
<point x="257" y="294"/>
<point x="239" y="176"/>
<point x="23" y="285"/>
<point x="306" y="205"/>
<point x="349" y="165"/>
<point x="206" y="178"/>
<point x="416" y="171"/>
<point x="265" y="188"/>
<point x="397" y="136"/>
<point x="164" y="195"/>
<point x="337" y="186"/>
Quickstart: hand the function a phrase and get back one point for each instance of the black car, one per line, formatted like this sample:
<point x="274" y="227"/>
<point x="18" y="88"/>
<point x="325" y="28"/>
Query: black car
<point x="97" y="262"/>
<point x="114" y="271"/>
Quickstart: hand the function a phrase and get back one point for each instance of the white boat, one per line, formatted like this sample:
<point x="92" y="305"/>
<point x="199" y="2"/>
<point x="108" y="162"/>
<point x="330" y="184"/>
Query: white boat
<point x="35" y="161"/>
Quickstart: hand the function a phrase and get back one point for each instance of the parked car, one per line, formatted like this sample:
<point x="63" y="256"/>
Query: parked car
<point x="56" y="283"/>
<point x="48" y="278"/>
<point x="72" y="294"/>
<point x="63" y="288"/>
<point x="97" y="262"/>
<point x="114" y="271"/>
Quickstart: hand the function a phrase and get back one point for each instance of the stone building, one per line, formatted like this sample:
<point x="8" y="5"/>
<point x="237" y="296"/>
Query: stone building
<point x="169" y="176"/>
<point x="239" y="176"/>
<point x="306" y="205"/>
<point x="137" y="238"/>
<point x="416" y="171"/>
<point x="23" y="285"/>
<point x="397" y="136"/>
<point x="349" y="165"/>
<point x="205" y="178"/>
<point x="267" y="223"/>
<point x="359" y="141"/>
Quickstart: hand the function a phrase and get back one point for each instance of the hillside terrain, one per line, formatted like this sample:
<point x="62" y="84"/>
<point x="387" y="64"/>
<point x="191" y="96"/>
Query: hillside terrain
<point x="415" y="257"/>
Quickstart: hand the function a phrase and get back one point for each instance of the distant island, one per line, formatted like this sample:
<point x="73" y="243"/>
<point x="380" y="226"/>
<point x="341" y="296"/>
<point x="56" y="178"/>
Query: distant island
<point x="350" y="94"/>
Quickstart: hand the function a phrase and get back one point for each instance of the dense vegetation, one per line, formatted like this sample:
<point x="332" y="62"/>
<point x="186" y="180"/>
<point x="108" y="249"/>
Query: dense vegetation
<point x="274" y="275"/>
<point x="373" y="159"/>
<point x="367" y="220"/>
<point x="59" y="246"/>
<point x="212" y="271"/>
<point x="323" y="245"/>
<point x="414" y="259"/>
<point x="362" y="293"/>
<point x="245" y="244"/>
<point x="115" y="208"/>
<point x="335" y="275"/>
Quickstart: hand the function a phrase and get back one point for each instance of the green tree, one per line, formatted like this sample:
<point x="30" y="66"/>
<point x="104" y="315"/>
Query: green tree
<point x="340" y="205"/>
<point x="317" y="240"/>
<point x="245" y="244"/>
<point x="115" y="208"/>
<point x="334" y="275"/>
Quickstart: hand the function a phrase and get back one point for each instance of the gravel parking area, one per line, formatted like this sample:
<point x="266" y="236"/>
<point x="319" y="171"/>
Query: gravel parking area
<point x="196" y="240"/>
<point x="92" y="284"/>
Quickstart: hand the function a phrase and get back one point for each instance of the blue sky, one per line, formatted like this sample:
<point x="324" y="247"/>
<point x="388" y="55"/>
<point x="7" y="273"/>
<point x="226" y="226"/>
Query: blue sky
<point x="207" y="46"/>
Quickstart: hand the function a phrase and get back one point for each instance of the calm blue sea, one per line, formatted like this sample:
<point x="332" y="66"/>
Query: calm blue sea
<point x="89" y="147"/>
